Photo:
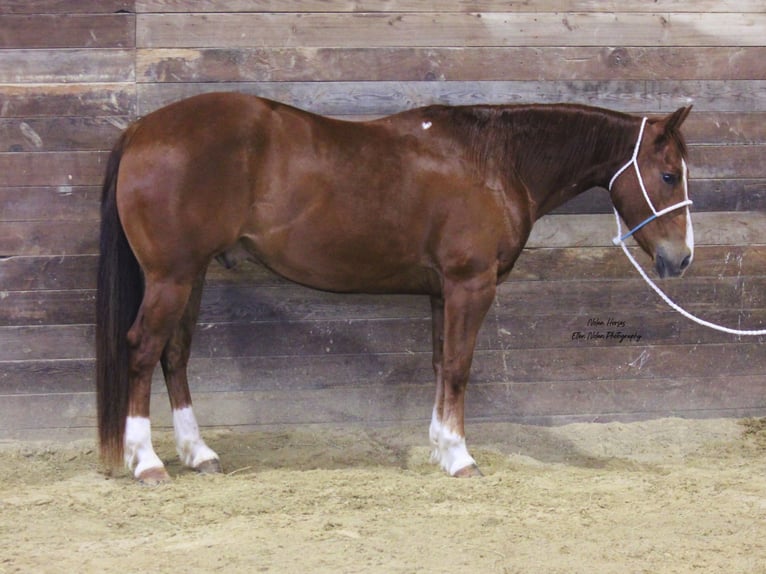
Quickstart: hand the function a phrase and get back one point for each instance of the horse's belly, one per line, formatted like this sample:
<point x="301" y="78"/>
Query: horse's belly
<point x="344" y="263"/>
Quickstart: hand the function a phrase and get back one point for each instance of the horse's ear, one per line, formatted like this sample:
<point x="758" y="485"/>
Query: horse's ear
<point x="674" y="120"/>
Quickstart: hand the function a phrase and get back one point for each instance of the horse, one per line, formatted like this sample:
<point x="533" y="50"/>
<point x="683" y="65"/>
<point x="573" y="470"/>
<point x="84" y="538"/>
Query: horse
<point x="437" y="201"/>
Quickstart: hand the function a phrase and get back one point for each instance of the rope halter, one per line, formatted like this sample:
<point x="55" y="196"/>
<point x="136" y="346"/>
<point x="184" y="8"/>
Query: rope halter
<point x="633" y="161"/>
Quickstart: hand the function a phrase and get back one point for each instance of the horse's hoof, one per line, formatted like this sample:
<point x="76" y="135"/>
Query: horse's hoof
<point x="153" y="476"/>
<point x="212" y="466"/>
<point x="470" y="471"/>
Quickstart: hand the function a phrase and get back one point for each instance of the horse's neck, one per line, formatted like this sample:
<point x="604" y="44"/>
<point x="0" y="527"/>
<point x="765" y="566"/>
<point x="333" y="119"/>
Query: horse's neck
<point x="556" y="169"/>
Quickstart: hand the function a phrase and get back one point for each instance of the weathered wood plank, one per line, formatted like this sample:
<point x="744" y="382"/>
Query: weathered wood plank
<point x="70" y="307"/>
<point x="728" y="194"/>
<point x="353" y="98"/>
<point x="571" y="230"/>
<point x="94" y="133"/>
<point x="506" y="328"/>
<point x="49" y="342"/>
<point x="60" y="133"/>
<point x="585" y="230"/>
<point x="379" y="98"/>
<point x="67" y="6"/>
<point x="62" y="203"/>
<point x="601" y="401"/>
<point x="708" y="195"/>
<point x="299" y="64"/>
<point x="79" y="100"/>
<point x="738" y="162"/>
<point x="725" y="128"/>
<point x="446" y="6"/>
<point x="543" y="368"/>
<point x="535" y="264"/>
<point x="73" y="168"/>
<point x="67" y="30"/>
<point x="52" y="412"/>
<point x="51" y="238"/>
<point x="448" y="29"/>
<point x="67" y="66"/>
<point x="87" y="167"/>
<point x="42" y="377"/>
<point x="499" y="402"/>
<point x="81" y="202"/>
<point x="362" y="336"/>
<point x="98" y="133"/>
<point x="229" y="304"/>
<point x="46" y="273"/>
<point x="727" y="161"/>
<point x="597" y="402"/>
<point x="602" y="263"/>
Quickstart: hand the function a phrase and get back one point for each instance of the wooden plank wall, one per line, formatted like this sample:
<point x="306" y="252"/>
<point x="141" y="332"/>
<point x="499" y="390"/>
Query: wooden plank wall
<point x="74" y="73"/>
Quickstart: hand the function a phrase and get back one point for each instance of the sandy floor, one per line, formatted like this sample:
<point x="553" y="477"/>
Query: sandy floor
<point x="655" y="497"/>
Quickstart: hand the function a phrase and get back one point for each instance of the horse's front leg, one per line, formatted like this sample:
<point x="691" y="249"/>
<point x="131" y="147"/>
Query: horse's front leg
<point x="437" y="328"/>
<point x="190" y="446"/>
<point x="465" y="305"/>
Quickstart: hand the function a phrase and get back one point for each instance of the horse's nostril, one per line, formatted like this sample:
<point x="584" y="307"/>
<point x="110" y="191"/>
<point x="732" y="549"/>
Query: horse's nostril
<point x="659" y="265"/>
<point x="686" y="262"/>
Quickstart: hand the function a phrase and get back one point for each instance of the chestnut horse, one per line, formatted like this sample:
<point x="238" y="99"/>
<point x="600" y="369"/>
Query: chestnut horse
<point x="436" y="201"/>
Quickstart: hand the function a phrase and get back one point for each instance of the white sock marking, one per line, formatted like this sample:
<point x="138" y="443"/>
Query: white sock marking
<point x="139" y="453"/>
<point x="450" y="450"/>
<point x="191" y="448"/>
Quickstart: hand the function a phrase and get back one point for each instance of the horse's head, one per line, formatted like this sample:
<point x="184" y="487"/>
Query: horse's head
<point x="650" y="193"/>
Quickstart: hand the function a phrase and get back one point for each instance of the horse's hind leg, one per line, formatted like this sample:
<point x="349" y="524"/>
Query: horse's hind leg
<point x="161" y="309"/>
<point x="192" y="450"/>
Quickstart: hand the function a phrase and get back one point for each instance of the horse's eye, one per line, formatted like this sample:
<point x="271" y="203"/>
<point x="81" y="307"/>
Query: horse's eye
<point x="669" y="178"/>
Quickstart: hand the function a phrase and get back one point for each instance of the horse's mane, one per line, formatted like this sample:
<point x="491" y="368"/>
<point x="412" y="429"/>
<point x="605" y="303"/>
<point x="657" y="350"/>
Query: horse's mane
<point x="561" y="139"/>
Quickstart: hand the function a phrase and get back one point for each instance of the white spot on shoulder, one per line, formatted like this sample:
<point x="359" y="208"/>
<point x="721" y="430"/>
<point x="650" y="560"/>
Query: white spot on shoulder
<point x="426" y="125"/>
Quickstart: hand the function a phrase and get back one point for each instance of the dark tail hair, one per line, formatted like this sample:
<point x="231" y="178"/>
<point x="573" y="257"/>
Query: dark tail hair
<point x="118" y="297"/>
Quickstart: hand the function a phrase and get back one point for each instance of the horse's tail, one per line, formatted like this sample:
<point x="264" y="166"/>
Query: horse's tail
<point x="118" y="297"/>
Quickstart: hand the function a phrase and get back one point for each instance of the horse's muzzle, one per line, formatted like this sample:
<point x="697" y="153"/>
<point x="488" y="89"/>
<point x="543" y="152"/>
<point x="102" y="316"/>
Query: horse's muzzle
<point x="671" y="264"/>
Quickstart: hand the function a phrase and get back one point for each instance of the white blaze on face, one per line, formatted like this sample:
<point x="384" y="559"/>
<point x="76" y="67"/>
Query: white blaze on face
<point x="139" y="453"/>
<point x="189" y="444"/>
<point x="426" y="125"/>
<point x="689" y="228"/>
<point x="450" y="450"/>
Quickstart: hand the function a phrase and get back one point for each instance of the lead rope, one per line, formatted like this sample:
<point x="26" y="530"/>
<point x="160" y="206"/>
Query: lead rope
<point x="620" y="240"/>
